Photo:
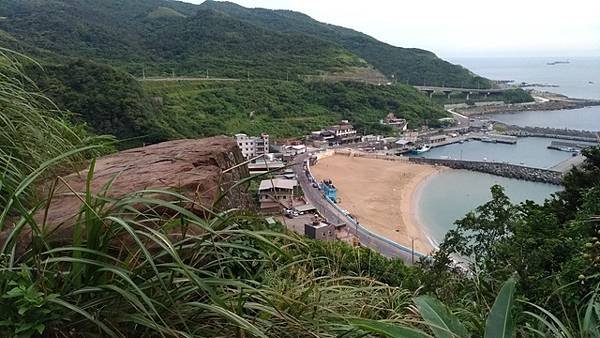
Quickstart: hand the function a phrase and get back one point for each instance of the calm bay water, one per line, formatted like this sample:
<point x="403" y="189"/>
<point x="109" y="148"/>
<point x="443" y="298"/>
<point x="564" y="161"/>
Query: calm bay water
<point x="450" y="195"/>
<point x="529" y="151"/>
<point x="587" y="118"/>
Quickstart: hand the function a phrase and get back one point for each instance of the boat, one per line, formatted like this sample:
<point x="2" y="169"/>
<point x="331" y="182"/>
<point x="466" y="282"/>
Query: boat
<point x="488" y="140"/>
<point x="557" y="63"/>
<point x="423" y="149"/>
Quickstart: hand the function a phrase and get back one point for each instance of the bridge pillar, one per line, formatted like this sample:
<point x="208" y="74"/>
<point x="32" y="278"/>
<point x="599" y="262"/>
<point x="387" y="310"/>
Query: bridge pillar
<point x="450" y="93"/>
<point x="468" y="96"/>
<point x="431" y="94"/>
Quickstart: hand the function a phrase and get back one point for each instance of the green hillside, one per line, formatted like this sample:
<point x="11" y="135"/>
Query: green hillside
<point x="165" y="37"/>
<point x="407" y="65"/>
<point x="149" y="35"/>
<point x="284" y="108"/>
<point x="109" y="101"/>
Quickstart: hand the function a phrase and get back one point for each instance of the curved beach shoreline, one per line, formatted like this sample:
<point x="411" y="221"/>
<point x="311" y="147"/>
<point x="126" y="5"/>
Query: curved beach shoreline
<point x="382" y="195"/>
<point x="416" y="208"/>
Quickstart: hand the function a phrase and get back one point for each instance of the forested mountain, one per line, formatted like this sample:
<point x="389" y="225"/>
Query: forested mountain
<point x="162" y="37"/>
<point x="407" y="65"/>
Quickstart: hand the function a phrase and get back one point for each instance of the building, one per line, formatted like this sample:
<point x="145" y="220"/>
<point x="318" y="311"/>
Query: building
<point x="344" y="133"/>
<point x="329" y="190"/>
<point x="319" y="230"/>
<point x="252" y="147"/>
<point x="436" y="139"/>
<point x="265" y="165"/>
<point x="276" y="194"/>
<point x="395" y="122"/>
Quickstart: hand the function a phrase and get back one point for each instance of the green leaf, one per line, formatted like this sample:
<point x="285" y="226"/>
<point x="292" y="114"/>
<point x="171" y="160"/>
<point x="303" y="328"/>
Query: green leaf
<point x="387" y="329"/>
<point x="437" y="316"/>
<point x="40" y="328"/>
<point x="500" y="323"/>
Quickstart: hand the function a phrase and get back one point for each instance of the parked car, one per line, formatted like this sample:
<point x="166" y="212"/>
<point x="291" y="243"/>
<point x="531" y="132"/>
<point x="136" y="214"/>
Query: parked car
<point x="315" y="185"/>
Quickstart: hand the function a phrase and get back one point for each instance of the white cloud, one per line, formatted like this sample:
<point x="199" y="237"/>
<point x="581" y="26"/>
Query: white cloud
<point x="463" y="27"/>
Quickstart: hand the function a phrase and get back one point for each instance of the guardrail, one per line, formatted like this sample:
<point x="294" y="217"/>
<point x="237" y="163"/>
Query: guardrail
<point x="366" y="231"/>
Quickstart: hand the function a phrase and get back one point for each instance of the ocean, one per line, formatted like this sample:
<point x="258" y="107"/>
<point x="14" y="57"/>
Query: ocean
<point x="448" y="196"/>
<point x="580" y="78"/>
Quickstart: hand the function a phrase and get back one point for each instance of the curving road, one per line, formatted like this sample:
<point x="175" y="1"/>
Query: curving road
<point x="335" y="216"/>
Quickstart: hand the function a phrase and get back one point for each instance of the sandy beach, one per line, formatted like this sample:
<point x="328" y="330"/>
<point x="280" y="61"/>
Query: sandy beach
<point x="380" y="194"/>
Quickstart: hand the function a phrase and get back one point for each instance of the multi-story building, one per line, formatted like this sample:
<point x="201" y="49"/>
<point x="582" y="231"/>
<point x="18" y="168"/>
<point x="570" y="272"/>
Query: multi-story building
<point x="252" y="147"/>
<point x="276" y="193"/>
<point x="395" y="122"/>
<point x="344" y="132"/>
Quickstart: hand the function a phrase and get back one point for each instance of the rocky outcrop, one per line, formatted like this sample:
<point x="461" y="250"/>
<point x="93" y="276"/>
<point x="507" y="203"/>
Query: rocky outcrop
<point x="194" y="168"/>
<point x="498" y="169"/>
<point x="199" y="169"/>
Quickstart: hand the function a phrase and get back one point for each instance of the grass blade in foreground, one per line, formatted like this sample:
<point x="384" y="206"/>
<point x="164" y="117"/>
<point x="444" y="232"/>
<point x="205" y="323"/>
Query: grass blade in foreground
<point x="387" y="329"/>
<point x="443" y="323"/>
<point x="500" y="323"/>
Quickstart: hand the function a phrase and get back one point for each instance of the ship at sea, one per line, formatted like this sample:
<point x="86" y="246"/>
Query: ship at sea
<point x="557" y="63"/>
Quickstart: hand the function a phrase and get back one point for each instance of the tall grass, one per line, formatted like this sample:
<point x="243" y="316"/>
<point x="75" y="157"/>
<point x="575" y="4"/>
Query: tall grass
<point x="142" y="266"/>
<point x="32" y="129"/>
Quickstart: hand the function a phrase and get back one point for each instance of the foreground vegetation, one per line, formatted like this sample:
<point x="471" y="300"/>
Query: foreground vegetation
<point x="143" y="265"/>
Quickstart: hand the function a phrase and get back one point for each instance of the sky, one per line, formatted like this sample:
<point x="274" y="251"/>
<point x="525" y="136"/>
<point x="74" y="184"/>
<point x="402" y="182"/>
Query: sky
<point x="462" y="28"/>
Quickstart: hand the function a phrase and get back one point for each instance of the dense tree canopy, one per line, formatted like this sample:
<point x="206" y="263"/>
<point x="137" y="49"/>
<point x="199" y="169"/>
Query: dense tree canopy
<point x="163" y="37"/>
<point x="108" y="101"/>
<point x="285" y="108"/>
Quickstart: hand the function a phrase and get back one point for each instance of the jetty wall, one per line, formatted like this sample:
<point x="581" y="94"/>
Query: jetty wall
<point x="496" y="168"/>
<point x="565" y="134"/>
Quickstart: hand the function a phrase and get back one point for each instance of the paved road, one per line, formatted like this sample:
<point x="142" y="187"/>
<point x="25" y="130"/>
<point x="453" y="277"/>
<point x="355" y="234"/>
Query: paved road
<point x="334" y="216"/>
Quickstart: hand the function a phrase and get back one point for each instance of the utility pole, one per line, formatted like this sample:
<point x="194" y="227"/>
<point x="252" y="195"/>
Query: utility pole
<point x="173" y="73"/>
<point x="207" y="73"/>
<point x="143" y="73"/>
<point x="248" y="76"/>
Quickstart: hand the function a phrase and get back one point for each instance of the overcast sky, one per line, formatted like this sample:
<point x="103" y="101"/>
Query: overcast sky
<point x="453" y="28"/>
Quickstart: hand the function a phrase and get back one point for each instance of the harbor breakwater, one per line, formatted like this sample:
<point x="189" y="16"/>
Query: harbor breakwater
<point x="565" y="134"/>
<point x="498" y="169"/>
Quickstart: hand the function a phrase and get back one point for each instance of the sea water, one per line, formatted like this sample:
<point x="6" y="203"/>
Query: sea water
<point x="448" y="196"/>
<point x="580" y="78"/>
<point x="529" y="151"/>
<point x="587" y="118"/>
<point x="451" y="194"/>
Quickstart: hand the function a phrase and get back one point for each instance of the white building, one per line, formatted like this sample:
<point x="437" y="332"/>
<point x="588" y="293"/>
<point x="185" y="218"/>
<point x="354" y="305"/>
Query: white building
<point x="252" y="147"/>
